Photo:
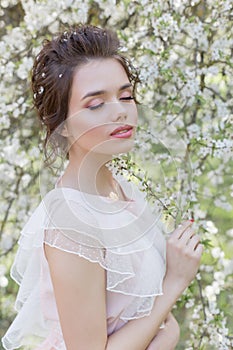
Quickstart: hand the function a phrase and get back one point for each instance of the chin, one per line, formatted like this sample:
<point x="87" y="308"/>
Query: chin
<point x="123" y="149"/>
<point x="115" y="147"/>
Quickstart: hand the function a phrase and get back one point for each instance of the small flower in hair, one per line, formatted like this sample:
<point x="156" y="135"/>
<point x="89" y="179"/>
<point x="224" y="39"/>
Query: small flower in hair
<point x="65" y="36"/>
<point x="40" y="90"/>
<point x="43" y="75"/>
<point x="60" y="75"/>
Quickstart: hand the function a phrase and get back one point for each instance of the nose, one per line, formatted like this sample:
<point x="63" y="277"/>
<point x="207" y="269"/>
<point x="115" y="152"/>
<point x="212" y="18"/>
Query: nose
<point x="119" y="112"/>
<point x="121" y="116"/>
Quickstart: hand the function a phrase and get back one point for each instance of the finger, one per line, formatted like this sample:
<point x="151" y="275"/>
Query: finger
<point x="180" y="229"/>
<point x="199" y="249"/>
<point x="193" y="242"/>
<point x="169" y="317"/>
<point x="186" y="236"/>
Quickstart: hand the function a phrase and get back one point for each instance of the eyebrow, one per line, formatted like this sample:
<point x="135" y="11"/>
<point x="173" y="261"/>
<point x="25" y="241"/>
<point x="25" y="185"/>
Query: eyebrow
<point x="101" y="92"/>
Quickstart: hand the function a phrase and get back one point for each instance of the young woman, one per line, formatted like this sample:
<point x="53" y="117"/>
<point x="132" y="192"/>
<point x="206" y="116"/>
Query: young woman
<point x="94" y="269"/>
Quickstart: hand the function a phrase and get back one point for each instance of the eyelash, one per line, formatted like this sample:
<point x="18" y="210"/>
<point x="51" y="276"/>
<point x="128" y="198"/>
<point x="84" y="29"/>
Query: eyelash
<point x="101" y="104"/>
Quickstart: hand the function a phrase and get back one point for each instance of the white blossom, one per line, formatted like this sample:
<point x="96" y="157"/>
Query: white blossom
<point x="24" y="68"/>
<point x="210" y="227"/>
<point x="217" y="253"/>
<point x="3" y="281"/>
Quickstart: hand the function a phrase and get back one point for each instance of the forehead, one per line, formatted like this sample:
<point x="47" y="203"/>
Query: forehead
<point x="99" y="74"/>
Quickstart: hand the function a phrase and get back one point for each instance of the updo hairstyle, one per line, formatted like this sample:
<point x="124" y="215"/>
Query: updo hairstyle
<point x="53" y="72"/>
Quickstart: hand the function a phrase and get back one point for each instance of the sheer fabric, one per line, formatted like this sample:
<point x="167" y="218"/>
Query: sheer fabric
<point x="124" y="237"/>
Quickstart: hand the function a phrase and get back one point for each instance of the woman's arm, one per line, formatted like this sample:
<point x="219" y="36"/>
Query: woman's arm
<point x="167" y="338"/>
<point x="80" y="292"/>
<point x="183" y="259"/>
<point x="138" y="334"/>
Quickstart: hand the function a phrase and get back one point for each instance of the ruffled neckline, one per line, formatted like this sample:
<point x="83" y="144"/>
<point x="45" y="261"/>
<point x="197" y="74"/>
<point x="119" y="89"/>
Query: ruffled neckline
<point x="107" y="198"/>
<point x="131" y="249"/>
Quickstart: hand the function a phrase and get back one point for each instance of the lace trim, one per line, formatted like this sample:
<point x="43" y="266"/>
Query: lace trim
<point x="135" y="269"/>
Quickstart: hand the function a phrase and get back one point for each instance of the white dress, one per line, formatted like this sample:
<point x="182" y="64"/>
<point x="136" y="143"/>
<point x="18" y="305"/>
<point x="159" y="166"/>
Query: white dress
<point x="124" y="237"/>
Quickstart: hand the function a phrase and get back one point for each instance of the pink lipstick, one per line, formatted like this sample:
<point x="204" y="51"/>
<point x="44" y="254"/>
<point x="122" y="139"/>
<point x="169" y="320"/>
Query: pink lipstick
<point x="123" y="132"/>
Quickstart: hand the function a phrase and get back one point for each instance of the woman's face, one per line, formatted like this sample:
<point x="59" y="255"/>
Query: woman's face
<point x="101" y="101"/>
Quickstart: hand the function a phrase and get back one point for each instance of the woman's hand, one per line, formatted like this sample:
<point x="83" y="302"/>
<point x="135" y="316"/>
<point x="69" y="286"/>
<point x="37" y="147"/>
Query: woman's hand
<point x="167" y="338"/>
<point x="183" y="259"/>
<point x="183" y="255"/>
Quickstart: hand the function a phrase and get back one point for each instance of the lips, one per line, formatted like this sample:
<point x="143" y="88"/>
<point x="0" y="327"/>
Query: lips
<point x="121" y="129"/>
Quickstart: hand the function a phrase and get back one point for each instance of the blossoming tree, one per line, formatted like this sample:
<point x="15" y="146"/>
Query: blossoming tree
<point x="183" y="151"/>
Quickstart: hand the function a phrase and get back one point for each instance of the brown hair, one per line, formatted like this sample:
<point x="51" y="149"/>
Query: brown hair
<point x="53" y="71"/>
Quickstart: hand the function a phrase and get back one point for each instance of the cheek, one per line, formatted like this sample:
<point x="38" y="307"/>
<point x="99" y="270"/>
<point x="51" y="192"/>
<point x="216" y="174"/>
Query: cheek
<point x="135" y="113"/>
<point x="94" y="139"/>
<point x="79" y="124"/>
<point x="94" y="134"/>
<point x="132" y="113"/>
<point x="85" y="130"/>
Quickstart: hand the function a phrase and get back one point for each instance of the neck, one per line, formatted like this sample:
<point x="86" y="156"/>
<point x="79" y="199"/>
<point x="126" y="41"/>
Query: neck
<point x="87" y="172"/>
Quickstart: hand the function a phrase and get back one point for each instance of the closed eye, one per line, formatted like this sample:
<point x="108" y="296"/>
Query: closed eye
<point x="127" y="98"/>
<point x="96" y="106"/>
